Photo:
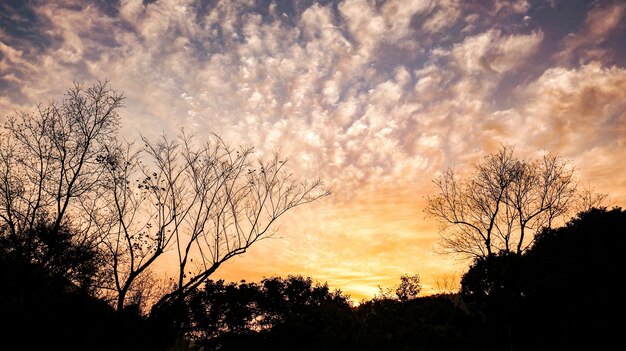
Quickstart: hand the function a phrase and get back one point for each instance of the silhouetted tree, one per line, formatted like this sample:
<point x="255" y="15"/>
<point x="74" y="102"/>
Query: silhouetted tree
<point x="423" y="323"/>
<point x="51" y="179"/>
<point x="587" y="198"/>
<point x="49" y="161"/>
<point x="408" y="289"/>
<point x="46" y="302"/>
<point x="447" y="284"/>
<point x="494" y="289"/>
<point x="290" y="313"/>
<point x="502" y="204"/>
<point x="410" y="286"/>
<point x="571" y="300"/>
<point x="206" y="201"/>
<point x="296" y="314"/>
<point x="56" y="252"/>
<point x="547" y="298"/>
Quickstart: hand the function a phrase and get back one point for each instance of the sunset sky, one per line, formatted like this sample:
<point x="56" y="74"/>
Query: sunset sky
<point x="373" y="97"/>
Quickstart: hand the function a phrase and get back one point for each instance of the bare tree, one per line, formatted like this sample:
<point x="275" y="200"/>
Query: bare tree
<point x="500" y="202"/>
<point x="542" y="191"/>
<point x="588" y="198"/>
<point x="49" y="160"/>
<point x="206" y="203"/>
<point x="447" y="283"/>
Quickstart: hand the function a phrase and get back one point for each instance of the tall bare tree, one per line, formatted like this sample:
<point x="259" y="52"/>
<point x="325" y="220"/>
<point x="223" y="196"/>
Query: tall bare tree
<point x="204" y="202"/>
<point x="504" y="199"/>
<point x="49" y="164"/>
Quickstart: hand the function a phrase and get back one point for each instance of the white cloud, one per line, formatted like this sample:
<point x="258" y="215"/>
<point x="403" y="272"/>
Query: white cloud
<point x="491" y="52"/>
<point x="445" y="16"/>
<point x="514" y="6"/>
<point x="573" y="110"/>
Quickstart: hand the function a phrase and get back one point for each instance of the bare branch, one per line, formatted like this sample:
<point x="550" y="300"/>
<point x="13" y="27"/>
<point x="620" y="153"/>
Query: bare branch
<point x="503" y="203"/>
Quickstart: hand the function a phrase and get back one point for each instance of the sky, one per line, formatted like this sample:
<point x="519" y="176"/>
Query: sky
<point x="373" y="97"/>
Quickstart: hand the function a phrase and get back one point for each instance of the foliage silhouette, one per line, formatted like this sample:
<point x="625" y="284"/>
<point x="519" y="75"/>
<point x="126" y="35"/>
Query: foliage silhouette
<point x="409" y="287"/>
<point x="277" y="313"/>
<point x="45" y="300"/>
<point x="55" y="252"/>
<point x="541" y="300"/>
<point x="424" y="323"/>
<point x="295" y="314"/>
<point x="533" y="301"/>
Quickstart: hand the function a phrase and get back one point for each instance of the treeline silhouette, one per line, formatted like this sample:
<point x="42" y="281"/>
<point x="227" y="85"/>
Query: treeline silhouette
<point x="563" y="292"/>
<point x="84" y="217"/>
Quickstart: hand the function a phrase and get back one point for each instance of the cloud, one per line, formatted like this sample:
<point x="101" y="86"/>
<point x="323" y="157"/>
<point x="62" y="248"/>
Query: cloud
<point x="512" y="6"/>
<point x="369" y="25"/>
<point x="446" y="14"/>
<point x="13" y="63"/>
<point x="492" y="52"/>
<point x="584" y="45"/>
<point x="573" y="110"/>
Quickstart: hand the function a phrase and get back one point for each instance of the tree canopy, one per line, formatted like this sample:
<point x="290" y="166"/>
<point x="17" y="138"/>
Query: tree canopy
<point x="504" y="203"/>
<point x="556" y="294"/>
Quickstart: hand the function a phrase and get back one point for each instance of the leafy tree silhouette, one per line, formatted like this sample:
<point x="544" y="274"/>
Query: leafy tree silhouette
<point x="573" y="298"/>
<point x="277" y="313"/>
<point x="295" y="314"/>
<point x="46" y="301"/>
<point x="540" y="300"/>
